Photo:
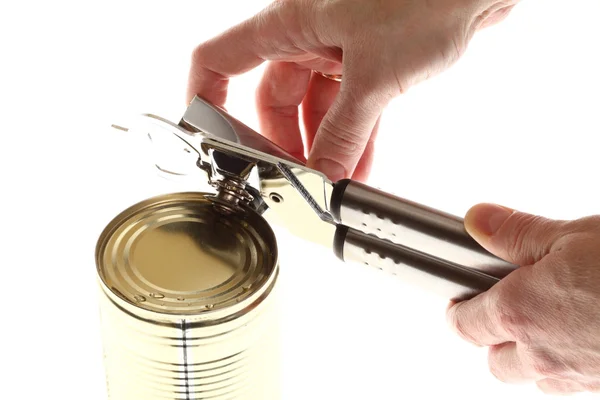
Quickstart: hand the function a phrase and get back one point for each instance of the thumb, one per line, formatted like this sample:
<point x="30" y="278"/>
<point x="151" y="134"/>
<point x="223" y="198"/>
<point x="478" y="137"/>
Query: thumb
<point x="345" y="130"/>
<point x="517" y="237"/>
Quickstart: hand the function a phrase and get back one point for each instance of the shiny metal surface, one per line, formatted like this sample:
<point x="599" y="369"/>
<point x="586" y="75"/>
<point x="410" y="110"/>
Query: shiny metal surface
<point x="441" y="277"/>
<point x="298" y="196"/>
<point x="333" y="77"/>
<point x="245" y="167"/>
<point x="188" y="301"/>
<point x="418" y="227"/>
<point x="210" y="145"/>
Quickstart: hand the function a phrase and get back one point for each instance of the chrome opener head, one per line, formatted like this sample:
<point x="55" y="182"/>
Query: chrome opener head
<point x="242" y="166"/>
<point x="360" y="223"/>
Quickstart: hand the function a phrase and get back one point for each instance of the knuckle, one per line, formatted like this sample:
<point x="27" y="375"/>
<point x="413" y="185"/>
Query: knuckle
<point x="545" y="365"/>
<point x="462" y="323"/>
<point x="569" y="264"/>
<point x="198" y="55"/>
<point x="201" y="64"/>
<point x="560" y="279"/>
<point x="542" y="367"/>
<point x="288" y="13"/>
<point x="201" y="59"/>
<point x="344" y="137"/>
<point x="460" y="329"/>
<point x="511" y="319"/>
<point x="589" y="224"/>
<point x="520" y="226"/>
<point x="565" y="243"/>
<point x="294" y="21"/>
<point x="285" y="112"/>
<point x="518" y="233"/>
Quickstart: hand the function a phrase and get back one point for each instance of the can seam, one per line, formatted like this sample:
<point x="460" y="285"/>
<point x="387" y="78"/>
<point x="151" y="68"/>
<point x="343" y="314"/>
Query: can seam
<point x="185" y="359"/>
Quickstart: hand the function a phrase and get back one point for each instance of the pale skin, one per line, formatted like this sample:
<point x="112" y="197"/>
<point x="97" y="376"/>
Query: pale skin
<point x="542" y="322"/>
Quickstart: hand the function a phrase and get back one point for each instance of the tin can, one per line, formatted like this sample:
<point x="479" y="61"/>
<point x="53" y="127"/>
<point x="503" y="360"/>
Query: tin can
<point x="188" y="301"/>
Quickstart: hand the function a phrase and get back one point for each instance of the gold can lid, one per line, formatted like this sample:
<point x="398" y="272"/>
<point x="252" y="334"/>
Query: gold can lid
<point x="186" y="254"/>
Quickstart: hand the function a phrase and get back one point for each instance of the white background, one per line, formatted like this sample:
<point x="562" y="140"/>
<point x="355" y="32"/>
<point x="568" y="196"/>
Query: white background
<point x="516" y="121"/>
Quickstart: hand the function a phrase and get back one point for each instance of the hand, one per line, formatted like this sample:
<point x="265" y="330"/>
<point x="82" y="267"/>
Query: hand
<point x="542" y="322"/>
<point x="382" y="48"/>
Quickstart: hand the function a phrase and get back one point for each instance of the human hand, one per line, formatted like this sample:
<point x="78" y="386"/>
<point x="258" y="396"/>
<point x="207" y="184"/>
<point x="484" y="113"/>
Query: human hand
<point x="542" y="322"/>
<point x="382" y="48"/>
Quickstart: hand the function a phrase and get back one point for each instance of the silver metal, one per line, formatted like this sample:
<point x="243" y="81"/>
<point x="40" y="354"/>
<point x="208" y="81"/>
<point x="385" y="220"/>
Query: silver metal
<point x="277" y="170"/>
<point x="246" y="168"/>
<point x="424" y="229"/>
<point x="222" y="149"/>
<point x="438" y="276"/>
<point x="188" y="301"/>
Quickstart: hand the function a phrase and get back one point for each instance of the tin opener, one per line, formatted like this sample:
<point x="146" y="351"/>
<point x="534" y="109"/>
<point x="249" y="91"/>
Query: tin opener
<point x="359" y="223"/>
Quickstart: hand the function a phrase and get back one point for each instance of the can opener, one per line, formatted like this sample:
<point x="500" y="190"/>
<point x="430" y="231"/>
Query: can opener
<point x="421" y="245"/>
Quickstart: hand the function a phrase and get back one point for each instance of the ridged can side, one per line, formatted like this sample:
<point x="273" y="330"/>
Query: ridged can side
<point x="188" y="302"/>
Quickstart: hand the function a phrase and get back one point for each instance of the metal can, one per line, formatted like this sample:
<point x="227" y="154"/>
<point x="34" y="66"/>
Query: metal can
<point x="187" y="301"/>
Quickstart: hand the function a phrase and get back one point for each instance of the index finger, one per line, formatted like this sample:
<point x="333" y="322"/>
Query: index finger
<point x="477" y="320"/>
<point x="235" y="51"/>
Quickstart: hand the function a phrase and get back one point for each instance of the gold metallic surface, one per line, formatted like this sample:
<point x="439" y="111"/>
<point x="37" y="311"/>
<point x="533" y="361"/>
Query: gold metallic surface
<point x="188" y="303"/>
<point x="333" y="77"/>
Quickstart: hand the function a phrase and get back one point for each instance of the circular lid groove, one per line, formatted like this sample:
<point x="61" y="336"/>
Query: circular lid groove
<point x="182" y="254"/>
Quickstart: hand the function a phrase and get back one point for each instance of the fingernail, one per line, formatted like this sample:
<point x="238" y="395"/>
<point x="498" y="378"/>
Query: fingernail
<point x="334" y="170"/>
<point x="487" y="218"/>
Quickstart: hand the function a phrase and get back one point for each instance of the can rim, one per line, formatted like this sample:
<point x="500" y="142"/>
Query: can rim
<point x="203" y="316"/>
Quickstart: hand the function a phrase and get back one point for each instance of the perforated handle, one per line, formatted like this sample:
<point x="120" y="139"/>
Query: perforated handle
<point x="444" y="278"/>
<point x="412" y="241"/>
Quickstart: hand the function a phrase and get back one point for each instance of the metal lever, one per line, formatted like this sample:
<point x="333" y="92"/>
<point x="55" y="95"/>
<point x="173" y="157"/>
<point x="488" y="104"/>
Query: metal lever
<point x="418" y="243"/>
<point x="440" y="276"/>
<point x="361" y="224"/>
